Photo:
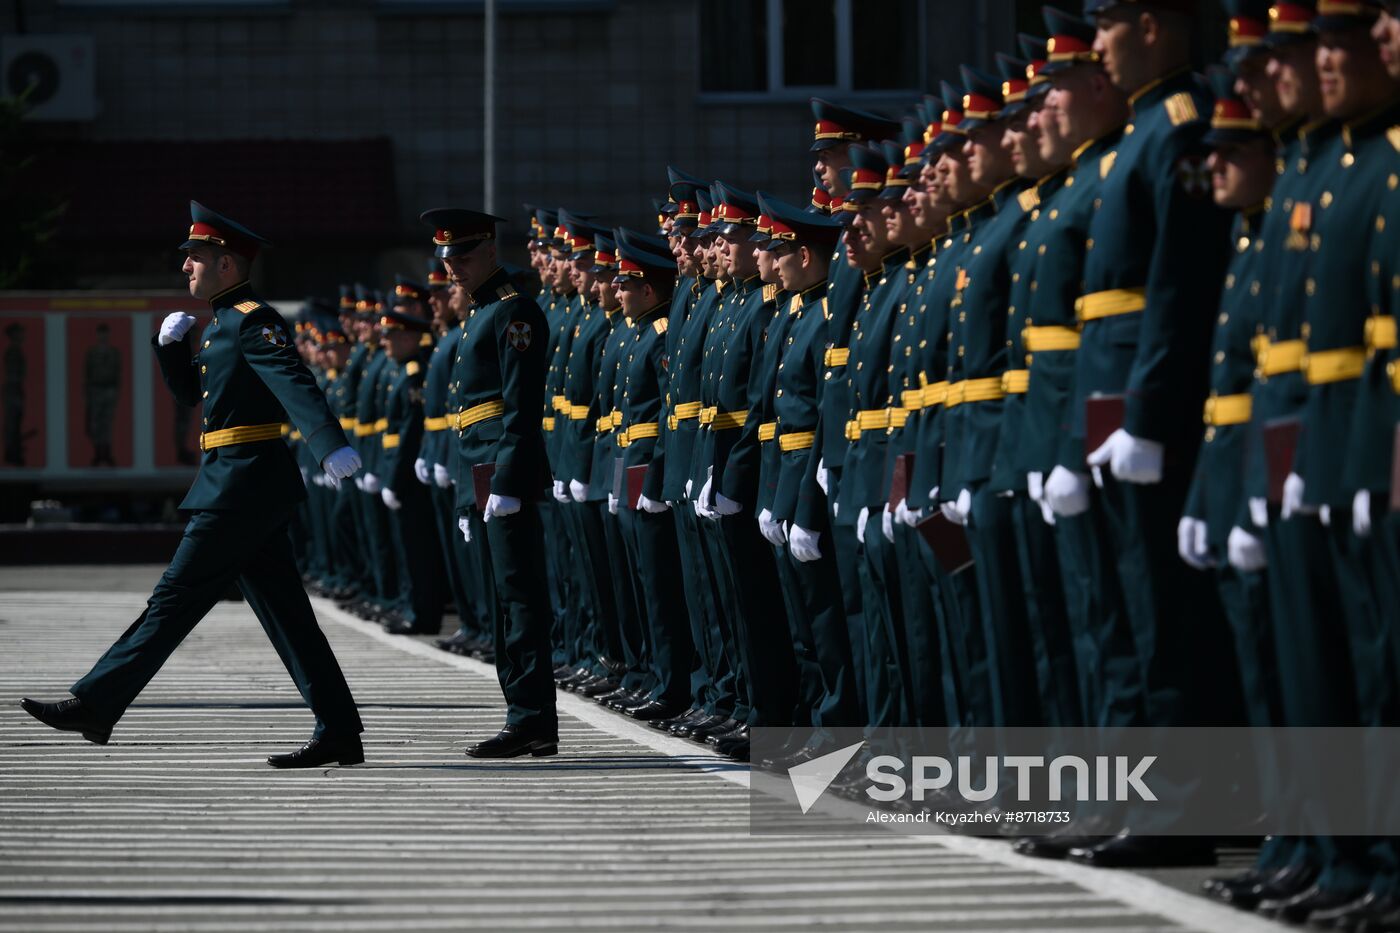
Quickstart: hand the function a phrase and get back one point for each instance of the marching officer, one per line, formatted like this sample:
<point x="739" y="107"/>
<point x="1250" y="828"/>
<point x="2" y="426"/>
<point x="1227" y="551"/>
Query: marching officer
<point x="249" y="379"/>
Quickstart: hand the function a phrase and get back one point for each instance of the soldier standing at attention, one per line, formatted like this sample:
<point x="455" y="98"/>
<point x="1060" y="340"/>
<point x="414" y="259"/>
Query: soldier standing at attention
<point x="500" y="370"/>
<point x="243" y="498"/>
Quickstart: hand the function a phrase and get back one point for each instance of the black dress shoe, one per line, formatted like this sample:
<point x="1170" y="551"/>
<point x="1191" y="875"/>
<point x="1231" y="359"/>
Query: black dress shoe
<point x="722" y="724"/>
<point x="690" y="715"/>
<point x="736" y="748"/>
<point x="627" y="700"/>
<point x="688" y="730"/>
<point x="1127" y="850"/>
<point x="70" y="716"/>
<point x="453" y="642"/>
<point x="1367" y="908"/>
<point x="601" y="686"/>
<point x="739" y="731"/>
<point x="605" y="698"/>
<point x="653" y="710"/>
<point x="316" y="753"/>
<point x="512" y="742"/>
<point x="1297" y="908"/>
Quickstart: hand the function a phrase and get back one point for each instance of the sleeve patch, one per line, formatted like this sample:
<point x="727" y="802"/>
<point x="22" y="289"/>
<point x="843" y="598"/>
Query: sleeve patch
<point x="1195" y="177"/>
<point x="1181" y="108"/>
<point x="519" y="335"/>
<point x="275" y="335"/>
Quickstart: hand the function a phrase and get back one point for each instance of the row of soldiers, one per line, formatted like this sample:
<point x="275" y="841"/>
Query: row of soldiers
<point x="1068" y="398"/>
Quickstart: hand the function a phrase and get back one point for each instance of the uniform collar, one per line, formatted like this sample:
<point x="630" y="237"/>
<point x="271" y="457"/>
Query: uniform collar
<point x="486" y="292"/>
<point x="232" y="295"/>
<point x="1093" y="147"/>
<point x="1154" y="91"/>
<point x="646" y="316"/>
<point x="894" y="259"/>
<point x="813" y="294"/>
<point x="1366" y="125"/>
<point x="919" y="254"/>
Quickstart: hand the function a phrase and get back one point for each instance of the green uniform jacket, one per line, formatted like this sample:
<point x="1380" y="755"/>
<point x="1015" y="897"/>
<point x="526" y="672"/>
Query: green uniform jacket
<point x="611" y="373"/>
<point x="247" y="373"/>
<point x="500" y="359"/>
<point x="846" y="287"/>
<point x="643" y="372"/>
<point x="434" y="449"/>
<point x="684" y="361"/>
<point x="683" y="301"/>
<point x="751" y="473"/>
<point x="576" y="433"/>
<point x="403" y="439"/>
<point x="797" y="407"/>
<point x="1157" y="232"/>
<point x="739" y="348"/>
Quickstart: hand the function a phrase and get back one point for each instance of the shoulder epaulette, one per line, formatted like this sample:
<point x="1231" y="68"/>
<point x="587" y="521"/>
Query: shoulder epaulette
<point x="1029" y="199"/>
<point x="770" y="293"/>
<point x="1393" y="134"/>
<point x="1181" y="108"/>
<point x="412" y="368"/>
<point x="1106" y="163"/>
<point x="826" y="312"/>
<point x="506" y="291"/>
<point x="246" y="306"/>
<point x="661" y="324"/>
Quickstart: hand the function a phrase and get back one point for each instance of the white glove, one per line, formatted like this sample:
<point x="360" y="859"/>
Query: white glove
<point x="957" y="510"/>
<point x="330" y="481"/>
<point x="1293" y="498"/>
<point x="1132" y="459"/>
<point x="1324" y="515"/>
<point x="420" y="470"/>
<point x="1361" y="513"/>
<point x="174" y="328"/>
<point x="1067" y="492"/>
<point x="1259" y="512"/>
<point x="1191" y="543"/>
<point x="704" y="504"/>
<point x="804" y="544"/>
<point x="612" y="504"/>
<point x="466" y="527"/>
<point x="578" y="490"/>
<point x="341" y="463"/>
<point x="1246" y="552"/>
<point x="1035" y="486"/>
<point x="688" y="484"/>
<point x="887" y="523"/>
<point x="560" y="493"/>
<point x="651" y="506"/>
<point x="441" y="476"/>
<point x="500" y="505"/>
<point x="318" y="479"/>
<point x="372" y="484"/>
<point x="727" y="506"/>
<point x="390" y="500"/>
<point x="861" y="521"/>
<point x="360" y="483"/>
<point x="822" y="476"/>
<point x="902" y="513"/>
<point x="771" y="530"/>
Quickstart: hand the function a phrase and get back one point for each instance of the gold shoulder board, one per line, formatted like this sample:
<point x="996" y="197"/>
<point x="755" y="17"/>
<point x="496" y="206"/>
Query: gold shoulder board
<point x="1393" y="134"/>
<point x="1106" y="163"/>
<point x="770" y="293"/>
<point x="506" y="291"/>
<point x="246" y="306"/>
<point x="412" y="368"/>
<point x="661" y="324"/>
<point x="1029" y="199"/>
<point x="1181" y="109"/>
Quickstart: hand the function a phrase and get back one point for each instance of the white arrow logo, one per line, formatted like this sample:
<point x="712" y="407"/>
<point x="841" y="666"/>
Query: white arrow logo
<point x="811" y="778"/>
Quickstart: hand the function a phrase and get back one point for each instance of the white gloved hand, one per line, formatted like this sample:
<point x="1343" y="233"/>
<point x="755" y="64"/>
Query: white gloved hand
<point x="1067" y="492"/>
<point x="957" y="510"/>
<point x="500" y="505"/>
<point x="612" y="504"/>
<point x="372" y="484"/>
<point x="560" y="493"/>
<point x="1035" y="486"/>
<point x="330" y="481"/>
<point x="1361" y="513"/>
<point x="688" y="484"/>
<point x="578" y="490"/>
<point x="360" y="483"/>
<point x="651" y="506"/>
<point x="1191" y="543"/>
<point x="822" y="477"/>
<point x="441" y="476"/>
<point x="771" y="530"/>
<point x="174" y="328"/>
<point x="861" y="521"/>
<point x="1132" y="459"/>
<point x="704" y="505"/>
<point x="341" y="463"/>
<point x="465" y="526"/>
<point x="805" y="545"/>
<point x="1246" y="551"/>
<point x="1259" y="512"/>
<point x="887" y="523"/>
<point x="1293" y="498"/>
<point x="390" y="500"/>
<point x="420" y="470"/>
<point x="727" y="506"/>
<point x="1324" y="515"/>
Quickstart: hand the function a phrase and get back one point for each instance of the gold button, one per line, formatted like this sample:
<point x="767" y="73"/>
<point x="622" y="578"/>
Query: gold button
<point x="206" y="394"/>
<point x="204" y="369"/>
<point x="1348" y="160"/>
<point x="206" y="343"/>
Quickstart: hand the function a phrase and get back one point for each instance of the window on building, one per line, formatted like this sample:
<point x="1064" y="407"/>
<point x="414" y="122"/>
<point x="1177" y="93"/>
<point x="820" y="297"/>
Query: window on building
<point x="800" y="47"/>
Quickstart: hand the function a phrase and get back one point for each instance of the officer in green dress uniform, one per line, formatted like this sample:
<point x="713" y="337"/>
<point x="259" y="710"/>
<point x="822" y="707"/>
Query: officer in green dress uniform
<point x="369" y="430"/>
<point x="643" y="280"/>
<point x="500" y="367"/>
<point x="343" y="553"/>
<point x="408" y="500"/>
<point x="1151" y="282"/>
<point x="350" y="564"/>
<point x="801" y="243"/>
<point x="249" y="379"/>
